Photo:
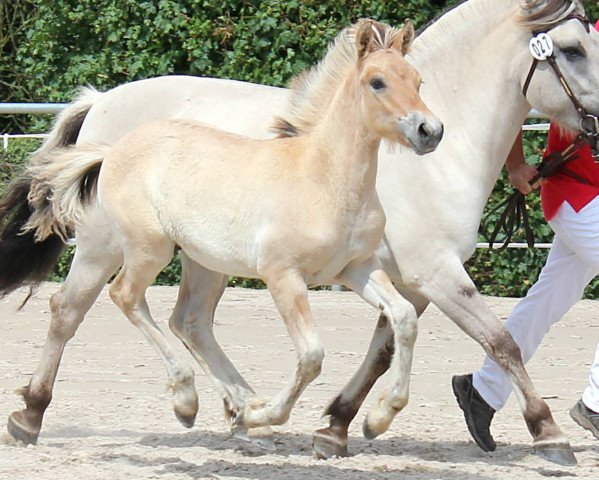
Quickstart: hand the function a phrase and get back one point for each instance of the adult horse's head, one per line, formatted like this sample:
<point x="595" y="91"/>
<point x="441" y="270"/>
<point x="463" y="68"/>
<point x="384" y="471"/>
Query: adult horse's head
<point x="390" y="87"/>
<point x="563" y="81"/>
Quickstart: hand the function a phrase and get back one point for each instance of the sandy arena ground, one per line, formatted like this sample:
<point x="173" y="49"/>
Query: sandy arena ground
<point x="111" y="415"/>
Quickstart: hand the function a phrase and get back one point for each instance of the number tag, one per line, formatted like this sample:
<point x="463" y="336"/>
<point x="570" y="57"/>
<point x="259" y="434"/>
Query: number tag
<point x="541" y="46"/>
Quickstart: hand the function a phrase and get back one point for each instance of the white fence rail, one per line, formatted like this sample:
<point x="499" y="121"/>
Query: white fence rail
<point x="54" y="108"/>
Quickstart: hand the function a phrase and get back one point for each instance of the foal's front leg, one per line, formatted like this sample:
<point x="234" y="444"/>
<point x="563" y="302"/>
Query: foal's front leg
<point x="369" y="280"/>
<point x="332" y="440"/>
<point x="290" y="294"/>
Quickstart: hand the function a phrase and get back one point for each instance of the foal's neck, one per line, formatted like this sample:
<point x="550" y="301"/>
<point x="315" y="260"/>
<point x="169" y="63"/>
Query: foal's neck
<point x="343" y="147"/>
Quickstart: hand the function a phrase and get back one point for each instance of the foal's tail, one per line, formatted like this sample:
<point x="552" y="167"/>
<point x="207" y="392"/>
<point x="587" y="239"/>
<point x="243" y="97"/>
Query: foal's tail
<point x="26" y="256"/>
<point x="63" y="187"/>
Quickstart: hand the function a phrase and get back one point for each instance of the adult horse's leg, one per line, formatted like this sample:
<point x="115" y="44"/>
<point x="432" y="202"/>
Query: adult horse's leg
<point x="290" y="294"/>
<point x="332" y="440"/>
<point x="454" y="293"/>
<point x="192" y="322"/>
<point x="452" y="290"/>
<point x="92" y="266"/>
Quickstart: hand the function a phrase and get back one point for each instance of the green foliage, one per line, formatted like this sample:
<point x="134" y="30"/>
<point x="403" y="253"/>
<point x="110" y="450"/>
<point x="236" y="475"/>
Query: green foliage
<point x="12" y="160"/>
<point x="48" y="48"/>
<point x="109" y="42"/>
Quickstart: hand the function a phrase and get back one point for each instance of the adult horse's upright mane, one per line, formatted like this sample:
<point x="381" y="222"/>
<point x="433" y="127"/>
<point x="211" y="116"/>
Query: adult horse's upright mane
<point x="312" y="90"/>
<point x="543" y="14"/>
<point x="471" y="14"/>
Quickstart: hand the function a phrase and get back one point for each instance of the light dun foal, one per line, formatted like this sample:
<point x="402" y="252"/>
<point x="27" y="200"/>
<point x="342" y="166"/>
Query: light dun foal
<point x="294" y="211"/>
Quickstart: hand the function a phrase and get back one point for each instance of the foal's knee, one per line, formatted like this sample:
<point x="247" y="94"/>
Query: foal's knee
<point x="311" y="362"/>
<point x="406" y="323"/>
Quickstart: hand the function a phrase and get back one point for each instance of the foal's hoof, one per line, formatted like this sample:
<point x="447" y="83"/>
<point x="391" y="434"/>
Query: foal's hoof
<point x="560" y="453"/>
<point x="186" y="420"/>
<point x="369" y="433"/>
<point x="262" y="437"/>
<point x="18" y="429"/>
<point x="185" y="406"/>
<point x="326" y="444"/>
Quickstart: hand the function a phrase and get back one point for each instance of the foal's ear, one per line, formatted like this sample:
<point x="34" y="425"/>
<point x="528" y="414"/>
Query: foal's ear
<point x="364" y="38"/>
<point x="403" y="40"/>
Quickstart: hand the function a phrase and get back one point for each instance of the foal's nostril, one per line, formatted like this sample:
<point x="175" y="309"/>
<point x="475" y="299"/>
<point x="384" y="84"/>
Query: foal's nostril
<point x="424" y="131"/>
<point x="428" y="131"/>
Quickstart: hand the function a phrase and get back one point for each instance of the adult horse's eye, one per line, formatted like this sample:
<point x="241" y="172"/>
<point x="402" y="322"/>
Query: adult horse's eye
<point x="377" y="84"/>
<point x="573" y="53"/>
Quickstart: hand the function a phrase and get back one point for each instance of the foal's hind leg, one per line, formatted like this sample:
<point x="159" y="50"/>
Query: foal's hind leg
<point x="332" y="440"/>
<point x="128" y="292"/>
<point x="192" y="322"/>
<point x="92" y="266"/>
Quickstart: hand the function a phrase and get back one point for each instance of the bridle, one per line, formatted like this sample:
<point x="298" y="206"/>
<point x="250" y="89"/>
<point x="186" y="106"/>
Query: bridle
<point x="541" y="48"/>
<point x="514" y="212"/>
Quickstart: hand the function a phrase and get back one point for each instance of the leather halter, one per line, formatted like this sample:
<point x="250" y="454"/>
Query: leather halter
<point x="589" y="124"/>
<point x="514" y="214"/>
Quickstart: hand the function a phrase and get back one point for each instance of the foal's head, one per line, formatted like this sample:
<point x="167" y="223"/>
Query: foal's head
<point x="367" y="61"/>
<point x="390" y="87"/>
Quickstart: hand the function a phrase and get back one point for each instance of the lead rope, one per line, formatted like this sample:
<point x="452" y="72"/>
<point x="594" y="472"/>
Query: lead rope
<point x="514" y="212"/>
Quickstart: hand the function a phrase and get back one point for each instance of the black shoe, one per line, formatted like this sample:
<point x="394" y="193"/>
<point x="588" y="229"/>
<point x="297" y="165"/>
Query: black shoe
<point x="586" y="418"/>
<point x="477" y="412"/>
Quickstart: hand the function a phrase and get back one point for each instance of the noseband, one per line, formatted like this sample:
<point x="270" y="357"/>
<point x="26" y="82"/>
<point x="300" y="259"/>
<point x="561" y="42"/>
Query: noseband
<point x="541" y="48"/>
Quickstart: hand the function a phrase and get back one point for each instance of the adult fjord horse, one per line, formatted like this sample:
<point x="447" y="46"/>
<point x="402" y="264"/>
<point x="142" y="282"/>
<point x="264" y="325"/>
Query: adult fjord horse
<point x="294" y="211"/>
<point x="474" y="61"/>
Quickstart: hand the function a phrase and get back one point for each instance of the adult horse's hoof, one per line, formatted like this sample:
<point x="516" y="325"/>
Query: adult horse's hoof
<point x="262" y="437"/>
<point x="326" y="444"/>
<point x="560" y="453"/>
<point x="21" y="430"/>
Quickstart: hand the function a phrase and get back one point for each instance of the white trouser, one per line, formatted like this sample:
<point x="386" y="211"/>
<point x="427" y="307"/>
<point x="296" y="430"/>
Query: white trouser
<point x="572" y="263"/>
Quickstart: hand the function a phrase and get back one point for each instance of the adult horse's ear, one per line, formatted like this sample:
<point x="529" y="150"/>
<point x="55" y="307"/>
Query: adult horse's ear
<point x="364" y="38"/>
<point x="403" y="40"/>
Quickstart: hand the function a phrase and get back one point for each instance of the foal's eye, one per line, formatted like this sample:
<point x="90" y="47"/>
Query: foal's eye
<point x="377" y="84"/>
<point x="572" y="53"/>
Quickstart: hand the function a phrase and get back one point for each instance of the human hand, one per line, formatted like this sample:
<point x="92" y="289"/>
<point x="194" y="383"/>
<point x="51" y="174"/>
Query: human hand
<point x="521" y="175"/>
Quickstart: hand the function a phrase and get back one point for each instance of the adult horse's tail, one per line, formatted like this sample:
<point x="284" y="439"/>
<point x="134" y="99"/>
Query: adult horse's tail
<point x="26" y="256"/>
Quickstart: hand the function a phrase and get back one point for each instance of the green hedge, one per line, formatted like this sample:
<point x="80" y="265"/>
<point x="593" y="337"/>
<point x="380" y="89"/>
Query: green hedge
<point x="48" y="48"/>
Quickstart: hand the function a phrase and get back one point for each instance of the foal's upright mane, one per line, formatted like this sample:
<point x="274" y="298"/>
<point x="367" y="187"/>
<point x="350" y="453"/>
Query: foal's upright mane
<point x="313" y="90"/>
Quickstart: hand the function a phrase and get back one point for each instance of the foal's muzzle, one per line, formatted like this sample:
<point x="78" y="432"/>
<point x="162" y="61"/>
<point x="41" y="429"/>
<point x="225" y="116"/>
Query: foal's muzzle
<point x="423" y="133"/>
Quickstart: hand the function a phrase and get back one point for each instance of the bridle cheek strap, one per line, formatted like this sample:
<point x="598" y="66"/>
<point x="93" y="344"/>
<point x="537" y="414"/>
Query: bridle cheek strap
<point x="589" y="124"/>
<point x="562" y="80"/>
<point x="531" y="72"/>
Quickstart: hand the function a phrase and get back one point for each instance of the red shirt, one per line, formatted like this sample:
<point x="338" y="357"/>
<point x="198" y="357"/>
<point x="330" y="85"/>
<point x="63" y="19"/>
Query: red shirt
<point x="560" y="188"/>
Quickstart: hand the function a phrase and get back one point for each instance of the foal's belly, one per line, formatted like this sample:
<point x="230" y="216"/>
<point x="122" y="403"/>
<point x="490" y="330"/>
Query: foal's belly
<point x="217" y="248"/>
<point x="256" y="247"/>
